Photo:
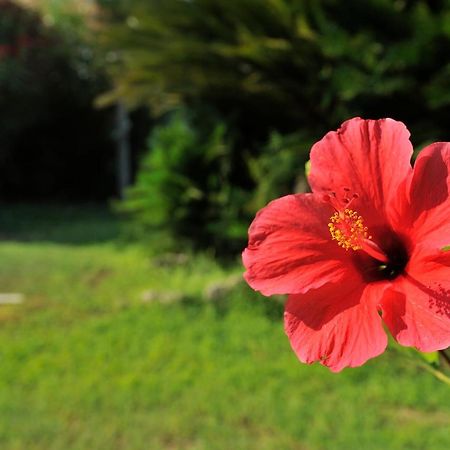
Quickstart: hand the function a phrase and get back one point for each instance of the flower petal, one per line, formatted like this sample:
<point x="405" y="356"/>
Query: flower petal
<point x="368" y="157"/>
<point x="290" y="249"/>
<point x="338" y="325"/>
<point x="429" y="200"/>
<point x="417" y="308"/>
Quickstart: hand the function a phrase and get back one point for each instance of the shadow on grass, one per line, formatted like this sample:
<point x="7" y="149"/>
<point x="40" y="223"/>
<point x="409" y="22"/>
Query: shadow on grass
<point x="63" y="224"/>
<point x="242" y="298"/>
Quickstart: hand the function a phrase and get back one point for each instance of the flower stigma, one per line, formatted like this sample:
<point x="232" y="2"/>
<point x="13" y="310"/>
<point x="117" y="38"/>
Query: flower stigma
<point x="347" y="229"/>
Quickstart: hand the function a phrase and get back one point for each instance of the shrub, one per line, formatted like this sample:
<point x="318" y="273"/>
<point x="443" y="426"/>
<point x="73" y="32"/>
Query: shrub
<point x="279" y="169"/>
<point x="183" y="192"/>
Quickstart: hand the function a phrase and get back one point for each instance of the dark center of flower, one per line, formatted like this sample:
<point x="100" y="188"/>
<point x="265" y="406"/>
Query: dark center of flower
<point x="397" y="260"/>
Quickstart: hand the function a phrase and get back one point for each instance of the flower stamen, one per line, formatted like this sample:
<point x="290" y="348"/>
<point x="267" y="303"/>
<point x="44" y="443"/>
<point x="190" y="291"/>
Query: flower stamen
<point x="348" y="230"/>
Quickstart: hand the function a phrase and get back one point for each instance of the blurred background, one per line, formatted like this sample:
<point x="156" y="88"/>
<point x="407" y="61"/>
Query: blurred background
<point x="138" y="138"/>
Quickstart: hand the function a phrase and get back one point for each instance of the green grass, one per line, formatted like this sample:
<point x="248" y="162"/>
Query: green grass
<point x="86" y="363"/>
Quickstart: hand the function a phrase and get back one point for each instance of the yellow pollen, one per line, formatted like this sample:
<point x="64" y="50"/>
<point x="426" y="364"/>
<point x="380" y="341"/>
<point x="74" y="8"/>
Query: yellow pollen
<point x="347" y="229"/>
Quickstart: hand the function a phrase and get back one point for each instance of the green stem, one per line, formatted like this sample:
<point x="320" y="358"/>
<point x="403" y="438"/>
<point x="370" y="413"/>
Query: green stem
<point x="437" y="373"/>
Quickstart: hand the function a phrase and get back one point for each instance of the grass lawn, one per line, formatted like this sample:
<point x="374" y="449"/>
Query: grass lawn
<point x="113" y="349"/>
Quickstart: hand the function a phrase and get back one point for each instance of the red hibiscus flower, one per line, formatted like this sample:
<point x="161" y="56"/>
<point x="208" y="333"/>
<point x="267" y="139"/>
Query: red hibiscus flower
<point x="365" y="247"/>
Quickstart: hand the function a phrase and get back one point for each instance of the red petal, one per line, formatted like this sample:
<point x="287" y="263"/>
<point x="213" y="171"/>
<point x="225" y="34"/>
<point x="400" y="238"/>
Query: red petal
<point x="337" y="325"/>
<point x="369" y="157"/>
<point x="417" y="308"/>
<point x="290" y="249"/>
<point x="429" y="210"/>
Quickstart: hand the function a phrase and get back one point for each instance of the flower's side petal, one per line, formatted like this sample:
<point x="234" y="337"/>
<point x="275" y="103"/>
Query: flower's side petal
<point x="369" y="157"/>
<point x="417" y="308"/>
<point x="430" y="266"/>
<point x="336" y="325"/>
<point x="429" y="199"/>
<point x="290" y="248"/>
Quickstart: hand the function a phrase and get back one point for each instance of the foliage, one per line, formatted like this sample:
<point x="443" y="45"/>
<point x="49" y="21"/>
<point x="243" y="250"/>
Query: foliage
<point x="183" y="187"/>
<point x="87" y="364"/>
<point x="286" y="65"/>
<point x="279" y="169"/>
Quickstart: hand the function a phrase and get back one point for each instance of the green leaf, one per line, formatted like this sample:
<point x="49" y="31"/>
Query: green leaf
<point x="446" y="248"/>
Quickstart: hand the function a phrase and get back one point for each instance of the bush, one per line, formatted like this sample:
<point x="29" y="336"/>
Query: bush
<point x="279" y="169"/>
<point x="183" y="193"/>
